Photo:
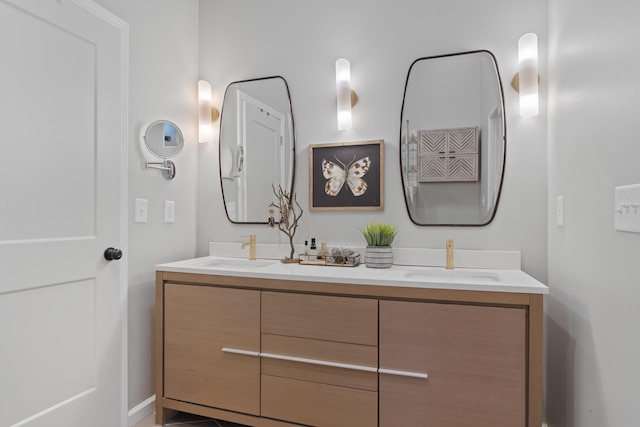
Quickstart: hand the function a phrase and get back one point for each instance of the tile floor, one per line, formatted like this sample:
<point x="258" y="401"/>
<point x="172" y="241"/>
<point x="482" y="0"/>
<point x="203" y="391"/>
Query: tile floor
<point x="188" y="420"/>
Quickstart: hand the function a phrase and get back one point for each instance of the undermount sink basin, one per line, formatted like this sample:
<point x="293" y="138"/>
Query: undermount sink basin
<point x="454" y="276"/>
<point x="237" y="264"/>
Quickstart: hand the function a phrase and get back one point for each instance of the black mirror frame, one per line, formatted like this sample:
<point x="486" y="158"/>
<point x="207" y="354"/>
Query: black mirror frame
<point x="504" y="140"/>
<point x="293" y="144"/>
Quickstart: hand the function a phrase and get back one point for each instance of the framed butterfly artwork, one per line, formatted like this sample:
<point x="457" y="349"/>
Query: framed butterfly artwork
<point x="346" y="176"/>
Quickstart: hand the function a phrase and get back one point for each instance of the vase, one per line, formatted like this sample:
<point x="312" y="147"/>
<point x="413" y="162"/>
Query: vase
<point x="378" y="257"/>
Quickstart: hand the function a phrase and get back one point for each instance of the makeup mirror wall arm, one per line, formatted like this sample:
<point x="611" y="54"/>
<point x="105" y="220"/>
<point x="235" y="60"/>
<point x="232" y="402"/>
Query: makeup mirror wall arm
<point x="167" y="167"/>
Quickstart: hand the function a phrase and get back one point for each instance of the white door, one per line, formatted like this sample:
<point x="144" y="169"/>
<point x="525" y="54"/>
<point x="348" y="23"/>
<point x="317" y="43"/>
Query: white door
<point x="61" y="302"/>
<point x="262" y="130"/>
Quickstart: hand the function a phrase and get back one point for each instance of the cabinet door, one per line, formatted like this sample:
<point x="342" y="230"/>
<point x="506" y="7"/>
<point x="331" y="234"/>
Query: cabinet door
<point x="475" y="359"/>
<point x="199" y="322"/>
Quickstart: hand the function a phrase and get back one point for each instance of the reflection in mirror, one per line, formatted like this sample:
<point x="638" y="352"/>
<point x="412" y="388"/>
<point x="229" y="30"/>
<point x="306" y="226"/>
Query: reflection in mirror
<point x="257" y="147"/>
<point x="452" y="139"/>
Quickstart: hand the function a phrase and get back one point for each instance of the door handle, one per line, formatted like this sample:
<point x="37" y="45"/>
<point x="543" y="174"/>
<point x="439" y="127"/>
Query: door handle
<point x="112" y="254"/>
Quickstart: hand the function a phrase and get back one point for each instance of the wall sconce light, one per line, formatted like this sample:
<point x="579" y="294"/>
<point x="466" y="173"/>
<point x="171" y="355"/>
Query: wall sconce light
<point x="207" y="114"/>
<point x="526" y="80"/>
<point x="346" y="97"/>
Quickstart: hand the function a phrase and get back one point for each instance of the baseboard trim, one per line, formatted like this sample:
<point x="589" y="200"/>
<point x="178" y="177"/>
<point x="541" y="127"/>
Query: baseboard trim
<point x="141" y="411"/>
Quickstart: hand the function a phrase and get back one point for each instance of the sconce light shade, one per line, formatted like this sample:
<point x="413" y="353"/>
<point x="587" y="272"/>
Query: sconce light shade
<point x="343" y="91"/>
<point x="528" y="74"/>
<point x="205" y="128"/>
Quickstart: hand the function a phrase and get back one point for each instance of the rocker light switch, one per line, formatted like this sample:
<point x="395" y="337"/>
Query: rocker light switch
<point x="140" y="214"/>
<point x="560" y="211"/>
<point x="169" y="211"/>
<point x="627" y="208"/>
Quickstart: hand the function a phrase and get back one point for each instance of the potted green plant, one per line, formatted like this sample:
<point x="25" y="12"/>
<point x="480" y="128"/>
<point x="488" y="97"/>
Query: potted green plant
<point x="379" y="237"/>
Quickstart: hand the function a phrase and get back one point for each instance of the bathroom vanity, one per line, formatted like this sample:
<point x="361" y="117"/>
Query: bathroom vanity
<point x="268" y="344"/>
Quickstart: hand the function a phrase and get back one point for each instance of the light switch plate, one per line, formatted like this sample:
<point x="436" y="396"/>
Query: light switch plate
<point x="627" y="208"/>
<point x="141" y="210"/>
<point x="169" y="211"/>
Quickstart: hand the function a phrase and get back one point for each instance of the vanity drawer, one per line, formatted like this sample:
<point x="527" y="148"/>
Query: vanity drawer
<point x="340" y="319"/>
<point x="326" y="362"/>
<point x="316" y="404"/>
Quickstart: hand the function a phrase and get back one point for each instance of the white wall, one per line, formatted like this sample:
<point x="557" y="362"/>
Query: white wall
<point x="593" y="350"/>
<point x="163" y="85"/>
<point x="301" y="41"/>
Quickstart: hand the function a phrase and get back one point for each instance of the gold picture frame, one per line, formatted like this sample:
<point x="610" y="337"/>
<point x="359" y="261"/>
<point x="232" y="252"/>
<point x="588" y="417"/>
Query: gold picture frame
<point x="346" y="176"/>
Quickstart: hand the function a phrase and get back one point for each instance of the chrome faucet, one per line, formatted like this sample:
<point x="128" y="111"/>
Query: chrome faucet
<point x="449" y="255"/>
<point x="252" y="246"/>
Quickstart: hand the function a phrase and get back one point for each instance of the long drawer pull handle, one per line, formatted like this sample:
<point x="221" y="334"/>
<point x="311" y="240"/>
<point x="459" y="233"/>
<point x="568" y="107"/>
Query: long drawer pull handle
<point x="403" y="373"/>
<point x="300" y="359"/>
<point x="319" y="362"/>
<point x="326" y="363"/>
<point x="244" y="352"/>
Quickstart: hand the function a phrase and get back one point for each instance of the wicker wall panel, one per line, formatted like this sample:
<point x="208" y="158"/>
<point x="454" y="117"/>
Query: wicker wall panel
<point x="448" y="155"/>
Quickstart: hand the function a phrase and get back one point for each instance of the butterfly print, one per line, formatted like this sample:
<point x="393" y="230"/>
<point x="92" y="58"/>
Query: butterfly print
<point x="352" y="173"/>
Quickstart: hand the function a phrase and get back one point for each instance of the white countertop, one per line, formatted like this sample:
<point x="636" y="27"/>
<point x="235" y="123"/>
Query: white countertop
<point x="471" y="279"/>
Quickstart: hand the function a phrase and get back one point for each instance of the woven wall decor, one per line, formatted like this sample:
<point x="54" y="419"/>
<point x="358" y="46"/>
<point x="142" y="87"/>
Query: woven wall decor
<point x="448" y="155"/>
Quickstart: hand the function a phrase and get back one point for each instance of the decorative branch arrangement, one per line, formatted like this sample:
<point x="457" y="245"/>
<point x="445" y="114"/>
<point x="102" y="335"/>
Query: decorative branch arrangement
<point x="290" y="213"/>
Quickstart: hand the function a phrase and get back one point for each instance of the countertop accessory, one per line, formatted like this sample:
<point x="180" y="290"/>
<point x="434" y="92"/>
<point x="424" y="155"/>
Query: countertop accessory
<point x="290" y="213"/>
<point x="379" y="237"/>
<point x="337" y="257"/>
<point x="323" y="251"/>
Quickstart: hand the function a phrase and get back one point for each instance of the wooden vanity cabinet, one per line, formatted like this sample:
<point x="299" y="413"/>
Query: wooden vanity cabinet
<point x="319" y="354"/>
<point x="475" y="358"/>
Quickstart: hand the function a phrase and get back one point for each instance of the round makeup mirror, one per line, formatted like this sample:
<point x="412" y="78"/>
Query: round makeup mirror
<point x="164" y="139"/>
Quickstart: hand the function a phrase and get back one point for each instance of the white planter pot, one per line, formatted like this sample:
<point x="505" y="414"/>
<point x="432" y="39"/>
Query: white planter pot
<point x="378" y="257"/>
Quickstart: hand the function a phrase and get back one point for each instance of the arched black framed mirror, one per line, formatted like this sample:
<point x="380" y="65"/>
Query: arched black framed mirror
<point x="453" y="139"/>
<point x="257" y="147"/>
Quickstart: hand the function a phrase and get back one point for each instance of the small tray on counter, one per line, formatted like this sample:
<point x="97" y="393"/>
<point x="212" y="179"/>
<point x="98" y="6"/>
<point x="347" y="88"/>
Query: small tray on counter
<point x="330" y="260"/>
